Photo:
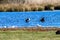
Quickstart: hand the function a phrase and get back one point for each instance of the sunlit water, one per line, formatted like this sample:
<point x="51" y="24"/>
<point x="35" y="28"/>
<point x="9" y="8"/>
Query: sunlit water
<point x="17" y="19"/>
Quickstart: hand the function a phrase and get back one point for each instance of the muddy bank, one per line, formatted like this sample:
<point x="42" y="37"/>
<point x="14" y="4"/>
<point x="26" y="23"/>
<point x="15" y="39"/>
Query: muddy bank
<point x="31" y="29"/>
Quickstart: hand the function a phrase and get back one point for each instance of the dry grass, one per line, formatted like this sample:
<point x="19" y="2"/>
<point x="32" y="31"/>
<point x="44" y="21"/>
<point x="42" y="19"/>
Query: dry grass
<point x="20" y="7"/>
<point x="24" y="7"/>
<point x="29" y="34"/>
<point x="27" y="5"/>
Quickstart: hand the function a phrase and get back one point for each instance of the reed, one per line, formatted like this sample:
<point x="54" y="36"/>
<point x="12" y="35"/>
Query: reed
<point x="24" y="7"/>
<point x="20" y="7"/>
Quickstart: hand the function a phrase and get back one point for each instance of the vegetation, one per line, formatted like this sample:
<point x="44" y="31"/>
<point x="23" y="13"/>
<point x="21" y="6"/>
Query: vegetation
<point x="10" y="7"/>
<point x="49" y="7"/>
<point x="26" y="7"/>
<point x="26" y="35"/>
<point x="20" y="7"/>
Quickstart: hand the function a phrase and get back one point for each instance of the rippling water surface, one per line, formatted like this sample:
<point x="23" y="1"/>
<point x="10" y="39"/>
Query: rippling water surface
<point x="51" y="18"/>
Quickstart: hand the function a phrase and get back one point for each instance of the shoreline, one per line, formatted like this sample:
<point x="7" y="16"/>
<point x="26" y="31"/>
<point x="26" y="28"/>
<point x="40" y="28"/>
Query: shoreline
<point x="31" y="29"/>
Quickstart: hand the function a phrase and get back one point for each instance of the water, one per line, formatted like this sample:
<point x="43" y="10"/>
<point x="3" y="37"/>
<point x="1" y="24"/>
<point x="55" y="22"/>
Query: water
<point x="17" y="19"/>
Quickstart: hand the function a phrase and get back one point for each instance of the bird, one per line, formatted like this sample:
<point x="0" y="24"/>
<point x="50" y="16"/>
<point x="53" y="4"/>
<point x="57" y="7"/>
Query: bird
<point x="42" y="19"/>
<point x="27" y="20"/>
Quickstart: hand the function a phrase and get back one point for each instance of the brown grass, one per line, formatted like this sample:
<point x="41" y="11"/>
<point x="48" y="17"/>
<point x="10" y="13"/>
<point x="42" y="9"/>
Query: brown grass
<point x="25" y="7"/>
<point x="20" y="7"/>
<point x="31" y="29"/>
<point x="28" y="5"/>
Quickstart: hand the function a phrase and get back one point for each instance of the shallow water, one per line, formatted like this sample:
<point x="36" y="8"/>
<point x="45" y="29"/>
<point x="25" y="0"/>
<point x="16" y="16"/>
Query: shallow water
<point x="9" y="19"/>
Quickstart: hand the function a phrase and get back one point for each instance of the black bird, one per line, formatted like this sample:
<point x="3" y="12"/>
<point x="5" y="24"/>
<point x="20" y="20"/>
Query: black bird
<point x="42" y="19"/>
<point x="27" y="20"/>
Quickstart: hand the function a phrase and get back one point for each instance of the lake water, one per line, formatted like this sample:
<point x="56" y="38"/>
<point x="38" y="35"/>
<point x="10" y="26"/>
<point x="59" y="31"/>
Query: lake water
<point x="9" y="19"/>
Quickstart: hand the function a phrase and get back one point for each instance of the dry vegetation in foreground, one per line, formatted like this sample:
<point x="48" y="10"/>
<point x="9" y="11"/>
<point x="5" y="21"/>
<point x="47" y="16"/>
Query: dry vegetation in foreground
<point x="35" y="33"/>
<point x="27" y="35"/>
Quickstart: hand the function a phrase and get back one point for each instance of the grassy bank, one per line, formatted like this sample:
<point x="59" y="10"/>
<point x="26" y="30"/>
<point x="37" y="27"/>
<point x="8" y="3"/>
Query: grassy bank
<point x="24" y="7"/>
<point x="28" y="5"/>
<point x="25" y="35"/>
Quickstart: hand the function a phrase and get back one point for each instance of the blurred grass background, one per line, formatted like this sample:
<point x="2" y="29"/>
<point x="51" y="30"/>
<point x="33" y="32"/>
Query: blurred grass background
<point x="26" y="35"/>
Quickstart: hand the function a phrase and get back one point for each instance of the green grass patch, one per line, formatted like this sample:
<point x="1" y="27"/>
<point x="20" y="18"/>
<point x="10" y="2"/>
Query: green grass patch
<point x="25" y="35"/>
